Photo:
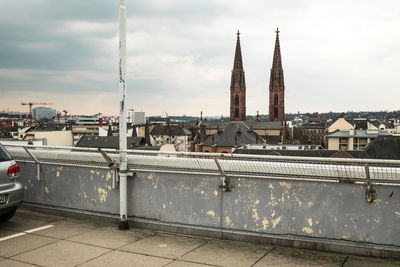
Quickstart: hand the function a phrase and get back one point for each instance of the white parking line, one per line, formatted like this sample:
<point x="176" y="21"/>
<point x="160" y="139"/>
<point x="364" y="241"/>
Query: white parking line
<point x="26" y="232"/>
<point x="39" y="228"/>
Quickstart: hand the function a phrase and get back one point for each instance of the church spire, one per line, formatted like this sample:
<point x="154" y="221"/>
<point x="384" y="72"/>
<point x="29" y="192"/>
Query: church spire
<point x="277" y="61"/>
<point x="238" y="86"/>
<point x="277" y="85"/>
<point x="238" y="62"/>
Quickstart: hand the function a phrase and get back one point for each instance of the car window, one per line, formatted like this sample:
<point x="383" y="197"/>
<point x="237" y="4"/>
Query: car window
<point x="4" y="156"/>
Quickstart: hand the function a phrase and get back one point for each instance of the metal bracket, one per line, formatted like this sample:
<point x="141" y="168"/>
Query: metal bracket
<point x="227" y="183"/>
<point x="113" y="167"/>
<point x="370" y="192"/>
<point x="38" y="164"/>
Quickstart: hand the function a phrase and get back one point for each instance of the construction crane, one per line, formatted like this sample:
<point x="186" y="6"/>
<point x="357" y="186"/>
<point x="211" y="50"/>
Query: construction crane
<point x="30" y="108"/>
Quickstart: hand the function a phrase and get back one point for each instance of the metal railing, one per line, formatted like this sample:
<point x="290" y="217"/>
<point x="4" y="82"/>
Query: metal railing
<point x="343" y="170"/>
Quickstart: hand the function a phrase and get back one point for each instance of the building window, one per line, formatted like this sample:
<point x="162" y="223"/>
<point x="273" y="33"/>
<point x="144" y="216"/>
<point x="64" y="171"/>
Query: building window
<point x="275" y="112"/>
<point x="236" y="100"/>
<point x="236" y="112"/>
<point x="276" y="99"/>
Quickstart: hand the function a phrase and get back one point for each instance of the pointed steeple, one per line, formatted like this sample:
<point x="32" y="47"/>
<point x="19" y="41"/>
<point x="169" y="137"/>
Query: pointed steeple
<point x="277" y="61"/>
<point x="238" y="86"/>
<point x="238" y="62"/>
<point x="276" y="85"/>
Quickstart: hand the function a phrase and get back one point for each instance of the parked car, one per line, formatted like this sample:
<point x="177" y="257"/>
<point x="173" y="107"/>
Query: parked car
<point x="11" y="189"/>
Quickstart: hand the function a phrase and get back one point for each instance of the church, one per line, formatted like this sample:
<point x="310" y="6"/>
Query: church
<point x="276" y="86"/>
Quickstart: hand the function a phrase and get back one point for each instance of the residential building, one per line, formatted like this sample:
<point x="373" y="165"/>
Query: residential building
<point x="227" y="136"/>
<point x="171" y="134"/>
<point x="340" y="124"/>
<point x="310" y="133"/>
<point x="51" y="134"/>
<point x="270" y="131"/>
<point x="80" y="130"/>
<point x="353" y="139"/>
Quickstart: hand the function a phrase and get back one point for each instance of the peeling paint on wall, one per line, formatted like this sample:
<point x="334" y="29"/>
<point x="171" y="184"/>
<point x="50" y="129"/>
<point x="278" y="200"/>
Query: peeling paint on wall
<point x="276" y="221"/>
<point x="265" y="223"/>
<point x="270" y="186"/>
<point x="255" y="215"/>
<point x="211" y="213"/>
<point x="102" y="195"/>
<point x="285" y="184"/>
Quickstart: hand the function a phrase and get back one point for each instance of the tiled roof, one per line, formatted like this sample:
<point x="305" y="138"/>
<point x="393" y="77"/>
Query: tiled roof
<point x="264" y="125"/>
<point x="107" y="141"/>
<point x="384" y="147"/>
<point x="169" y="130"/>
<point x="50" y="127"/>
<point x="226" y="136"/>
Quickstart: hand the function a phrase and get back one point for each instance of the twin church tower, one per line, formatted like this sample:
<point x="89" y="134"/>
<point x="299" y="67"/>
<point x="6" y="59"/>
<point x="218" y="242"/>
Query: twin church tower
<point x="276" y="86"/>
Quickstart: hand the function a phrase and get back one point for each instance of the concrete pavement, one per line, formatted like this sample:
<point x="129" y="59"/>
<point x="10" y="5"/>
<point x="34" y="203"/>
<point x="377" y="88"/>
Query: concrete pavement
<point x="38" y="239"/>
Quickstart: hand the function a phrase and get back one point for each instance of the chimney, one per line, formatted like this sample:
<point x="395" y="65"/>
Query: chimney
<point x="109" y="133"/>
<point x="256" y="139"/>
<point x="236" y="140"/>
<point x="100" y="122"/>
<point x="147" y="134"/>
<point x="134" y="133"/>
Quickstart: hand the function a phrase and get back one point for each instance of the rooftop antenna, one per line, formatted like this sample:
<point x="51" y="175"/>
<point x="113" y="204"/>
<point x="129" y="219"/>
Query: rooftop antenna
<point x="123" y="171"/>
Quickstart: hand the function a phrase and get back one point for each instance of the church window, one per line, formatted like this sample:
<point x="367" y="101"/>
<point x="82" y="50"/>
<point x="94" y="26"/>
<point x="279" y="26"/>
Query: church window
<point x="275" y="112"/>
<point x="236" y="112"/>
<point x="236" y="100"/>
<point x="276" y="99"/>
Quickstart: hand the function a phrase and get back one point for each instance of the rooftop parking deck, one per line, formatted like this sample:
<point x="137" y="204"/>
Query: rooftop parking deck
<point x="334" y="205"/>
<point x="37" y="239"/>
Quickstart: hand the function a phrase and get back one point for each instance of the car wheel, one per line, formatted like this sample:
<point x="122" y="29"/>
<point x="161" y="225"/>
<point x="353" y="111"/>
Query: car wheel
<point x="7" y="216"/>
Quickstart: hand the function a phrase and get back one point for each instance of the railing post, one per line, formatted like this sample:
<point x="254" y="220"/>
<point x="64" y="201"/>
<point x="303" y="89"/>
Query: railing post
<point x="123" y="170"/>
<point x="113" y="166"/>
<point x="370" y="192"/>
<point x="38" y="165"/>
<point x="227" y="184"/>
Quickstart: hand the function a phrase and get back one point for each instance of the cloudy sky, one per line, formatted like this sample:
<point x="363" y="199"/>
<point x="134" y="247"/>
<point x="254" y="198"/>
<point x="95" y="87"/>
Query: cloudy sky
<point x="337" y="55"/>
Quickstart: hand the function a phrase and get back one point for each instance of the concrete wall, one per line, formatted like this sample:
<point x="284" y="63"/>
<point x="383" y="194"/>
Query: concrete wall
<point x="291" y="210"/>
